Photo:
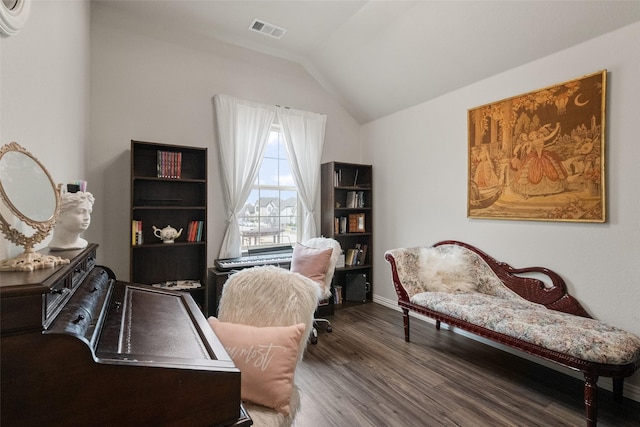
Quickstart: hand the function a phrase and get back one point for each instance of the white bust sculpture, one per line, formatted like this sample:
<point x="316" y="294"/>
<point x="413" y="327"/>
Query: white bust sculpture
<point x="74" y="218"/>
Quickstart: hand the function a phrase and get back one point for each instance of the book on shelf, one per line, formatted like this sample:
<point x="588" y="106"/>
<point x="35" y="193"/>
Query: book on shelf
<point x="351" y="257"/>
<point x="352" y="199"/>
<point x="136" y="233"/>
<point x="356" y="223"/>
<point x="343" y="224"/>
<point x="169" y="164"/>
<point x="194" y="231"/>
<point x="199" y="231"/>
<point x="362" y="255"/>
<point x="360" y="199"/>
<point x="337" y="294"/>
<point x="348" y="178"/>
<point x="191" y="231"/>
<point x="356" y="255"/>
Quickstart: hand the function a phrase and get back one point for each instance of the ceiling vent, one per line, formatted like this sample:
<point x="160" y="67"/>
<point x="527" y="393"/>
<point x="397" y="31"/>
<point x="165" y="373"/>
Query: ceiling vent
<point x="267" y="29"/>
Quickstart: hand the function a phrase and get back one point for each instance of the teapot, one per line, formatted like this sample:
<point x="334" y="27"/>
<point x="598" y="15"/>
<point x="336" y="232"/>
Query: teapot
<point x="167" y="234"/>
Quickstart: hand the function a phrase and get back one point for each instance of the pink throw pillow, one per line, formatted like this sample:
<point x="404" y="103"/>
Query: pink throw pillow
<point x="266" y="357"/>
<point x="311" y="262"/>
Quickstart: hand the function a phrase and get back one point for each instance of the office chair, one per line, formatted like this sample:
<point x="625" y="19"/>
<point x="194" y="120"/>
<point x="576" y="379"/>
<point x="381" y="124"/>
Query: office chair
<point x="266" y="307"/>
<point x="320" y="245"/>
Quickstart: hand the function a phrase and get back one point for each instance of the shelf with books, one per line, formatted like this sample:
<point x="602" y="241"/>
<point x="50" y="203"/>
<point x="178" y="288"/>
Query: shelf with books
<point x="194" y="232"/>
<point x="347" y="216"/>
<point x="144" y="219"/>
<point x="169" y="189"/>
<point x="354" y="223"/>
<point x="169" y="164"/>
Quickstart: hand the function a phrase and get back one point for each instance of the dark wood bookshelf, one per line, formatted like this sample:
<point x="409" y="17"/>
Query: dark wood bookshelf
<point x="337" y="180"/>
<point x="162" y="201"/>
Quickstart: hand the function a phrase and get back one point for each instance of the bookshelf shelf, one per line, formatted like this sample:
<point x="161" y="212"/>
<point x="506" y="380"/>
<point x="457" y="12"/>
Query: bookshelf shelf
<point x="163" y="246"/>
<point x="346" y="194"/>
<point x="160" y="208"/>
<point x="159" y="200"/>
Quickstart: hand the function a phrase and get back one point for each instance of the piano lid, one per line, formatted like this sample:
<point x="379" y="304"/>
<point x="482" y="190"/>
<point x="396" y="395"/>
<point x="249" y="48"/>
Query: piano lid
<point x="123" y="323"/>
<point x="147" y="324"/>
<point x="158" y="324"/>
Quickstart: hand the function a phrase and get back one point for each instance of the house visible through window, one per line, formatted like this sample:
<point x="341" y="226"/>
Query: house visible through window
<point x="270" y="215"/>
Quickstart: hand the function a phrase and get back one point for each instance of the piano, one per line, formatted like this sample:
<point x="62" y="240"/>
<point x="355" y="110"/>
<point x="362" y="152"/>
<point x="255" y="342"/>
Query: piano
<point x="227" y="264"/>
<point x="276" y="255"/>
<point x="82" y="348"/>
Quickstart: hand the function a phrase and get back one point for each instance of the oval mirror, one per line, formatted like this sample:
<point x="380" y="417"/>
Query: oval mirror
<point x="27" y="190"/>
<point x="18" y="172"/>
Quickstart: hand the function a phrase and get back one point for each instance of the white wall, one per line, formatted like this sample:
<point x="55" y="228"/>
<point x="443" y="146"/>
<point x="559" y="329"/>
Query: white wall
<point x="420" y="179"/>
<point x="149" y="85"/>
<point x="44" y="82"/>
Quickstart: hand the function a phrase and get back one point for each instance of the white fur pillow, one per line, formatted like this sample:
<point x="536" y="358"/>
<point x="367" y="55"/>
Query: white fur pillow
<point x="446" y="270"/>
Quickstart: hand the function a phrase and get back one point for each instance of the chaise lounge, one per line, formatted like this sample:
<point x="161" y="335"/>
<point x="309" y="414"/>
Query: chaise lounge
<point x="456" y="283"/>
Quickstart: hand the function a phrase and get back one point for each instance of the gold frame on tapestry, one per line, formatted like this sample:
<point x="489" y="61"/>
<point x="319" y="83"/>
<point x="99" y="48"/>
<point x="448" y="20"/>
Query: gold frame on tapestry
<point x="540" y="155"/>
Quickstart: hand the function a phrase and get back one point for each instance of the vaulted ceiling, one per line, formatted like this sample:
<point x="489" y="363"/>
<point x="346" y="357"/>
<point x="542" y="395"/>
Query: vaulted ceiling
<point x="378" y="57"/>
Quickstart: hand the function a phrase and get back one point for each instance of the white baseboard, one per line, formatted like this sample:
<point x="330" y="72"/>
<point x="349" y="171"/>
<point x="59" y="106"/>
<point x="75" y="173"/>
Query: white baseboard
<point x="631" y="391"/>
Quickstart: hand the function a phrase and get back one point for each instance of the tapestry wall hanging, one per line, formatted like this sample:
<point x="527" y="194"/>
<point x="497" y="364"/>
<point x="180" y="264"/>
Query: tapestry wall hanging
<point x="540" y="155"/>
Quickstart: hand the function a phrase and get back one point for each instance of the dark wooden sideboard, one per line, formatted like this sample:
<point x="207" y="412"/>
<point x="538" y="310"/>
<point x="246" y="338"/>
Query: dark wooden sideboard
<point x="79" y="347"/>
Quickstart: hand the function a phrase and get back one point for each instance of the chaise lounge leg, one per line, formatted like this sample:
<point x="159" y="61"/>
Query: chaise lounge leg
<point x="437" y="324"/>
<point x="591" y="399"/>
<point x="618" y="387"/>
<point x="405" y="319"/>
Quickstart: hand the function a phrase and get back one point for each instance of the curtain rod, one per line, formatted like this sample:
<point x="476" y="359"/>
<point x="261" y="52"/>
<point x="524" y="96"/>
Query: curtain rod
<point x="288" y="108"/>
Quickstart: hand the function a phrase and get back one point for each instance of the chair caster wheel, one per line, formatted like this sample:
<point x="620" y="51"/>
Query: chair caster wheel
<point x="314" y="340"/>
<point x="329" y="328"/>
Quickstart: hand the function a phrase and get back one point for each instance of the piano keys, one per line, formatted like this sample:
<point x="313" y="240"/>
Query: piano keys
<point x="81" y="348"/>
<point x="279" y="259"/>
<point x="278" y="255"/>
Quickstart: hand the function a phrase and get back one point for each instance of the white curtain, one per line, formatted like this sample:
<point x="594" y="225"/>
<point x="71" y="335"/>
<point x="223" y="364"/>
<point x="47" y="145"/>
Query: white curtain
<point x="243" y="130"/>
<point x="304" y="139"/>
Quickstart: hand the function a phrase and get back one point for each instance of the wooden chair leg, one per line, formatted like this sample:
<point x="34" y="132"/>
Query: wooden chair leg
<point x="405" y="320"/>
<point x="591" y="399"/>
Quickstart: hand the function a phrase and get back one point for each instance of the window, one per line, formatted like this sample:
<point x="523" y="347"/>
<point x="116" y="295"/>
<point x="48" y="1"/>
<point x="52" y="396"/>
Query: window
<point x="270" y="214"/>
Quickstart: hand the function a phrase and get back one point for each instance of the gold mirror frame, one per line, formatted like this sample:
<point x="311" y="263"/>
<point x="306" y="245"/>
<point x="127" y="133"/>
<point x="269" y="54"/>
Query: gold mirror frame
<point x="29" y="260"/>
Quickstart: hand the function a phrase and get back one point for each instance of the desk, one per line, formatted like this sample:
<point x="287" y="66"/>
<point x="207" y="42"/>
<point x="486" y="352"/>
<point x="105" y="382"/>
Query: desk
<point x="215" y="282"/>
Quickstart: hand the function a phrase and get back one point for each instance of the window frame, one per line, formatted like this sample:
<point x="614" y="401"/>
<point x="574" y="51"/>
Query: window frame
<point x="256" y="186"/>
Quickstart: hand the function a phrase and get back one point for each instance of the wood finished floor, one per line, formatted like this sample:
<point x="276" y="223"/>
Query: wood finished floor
<point x="364" y="374"/>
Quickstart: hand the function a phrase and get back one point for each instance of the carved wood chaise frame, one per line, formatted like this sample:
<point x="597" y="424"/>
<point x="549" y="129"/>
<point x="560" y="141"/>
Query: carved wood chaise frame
<point x="554" y="297"/>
